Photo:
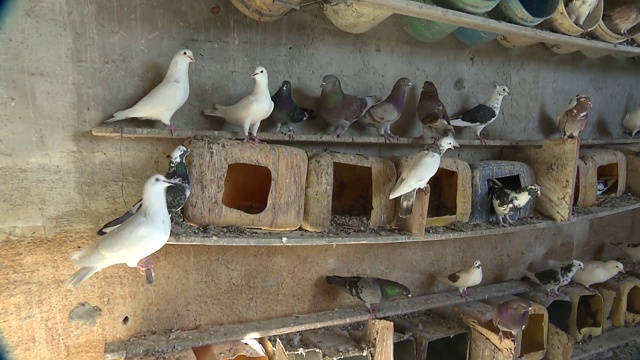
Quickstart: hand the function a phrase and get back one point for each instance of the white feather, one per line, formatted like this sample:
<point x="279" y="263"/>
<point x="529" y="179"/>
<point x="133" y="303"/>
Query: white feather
<point x="631" y="121"/>
<point x="417" y="173"/>
<point x="596" y="272"/>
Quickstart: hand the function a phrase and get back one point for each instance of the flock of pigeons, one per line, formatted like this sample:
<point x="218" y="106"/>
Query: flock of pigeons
<point x="618" y="16"/>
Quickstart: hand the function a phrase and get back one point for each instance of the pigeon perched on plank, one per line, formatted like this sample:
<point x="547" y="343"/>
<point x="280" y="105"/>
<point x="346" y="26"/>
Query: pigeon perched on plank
<point x="131" y="243"/>
<point x="418" y="171"/>
<point x="370" y="290"/>
<point x="574" y="120"/>
<point x="622" y="18"/>
<point x="555" y="277"/>
<point x="512" y="316"/>
<point x="383" y="114"/>
<point x="596" y="272"/>
<point x="484" y="114"/>
<point x="176" y="195"/>
<point x="166" y="98"/>
<point x="286" y="111"/>
<point x="578" y="10"/>
<point x="465" y="278"/>
<point x="501" y="201"/>
<point x="632" y="250"/>
<point x="249" y="112"/>
<point x="520" y="198"/>
<point x="340" y="109"/>
<point x="431" y="111"/>
<point x="631" y="122"/>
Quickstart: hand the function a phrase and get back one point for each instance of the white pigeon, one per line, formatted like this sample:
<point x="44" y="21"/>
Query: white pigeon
<point x="596" y="272"/>
<point x="578" y="10"/>
<point x="632" y="250"/>
<point x="251" y="110"/>
<point x="483" y="114"/>
<point x="559" y="275"/>
<point x="465" y="278"/>
<point x="631" y="122"/>
<point x="418" y="171"/>
<point x="167" y="97"/>
<point x="141" y="235"/>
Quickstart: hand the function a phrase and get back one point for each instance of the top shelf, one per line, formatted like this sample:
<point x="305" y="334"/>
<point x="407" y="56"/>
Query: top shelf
<point x="127" y="132"/>
<point x="435" y="13"/>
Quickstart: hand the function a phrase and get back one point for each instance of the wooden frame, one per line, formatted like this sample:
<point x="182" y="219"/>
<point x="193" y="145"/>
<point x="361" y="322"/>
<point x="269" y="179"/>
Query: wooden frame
<point x="462" y="187"/>
<point x="597" y="162"/>
<point x="582" y="322"/>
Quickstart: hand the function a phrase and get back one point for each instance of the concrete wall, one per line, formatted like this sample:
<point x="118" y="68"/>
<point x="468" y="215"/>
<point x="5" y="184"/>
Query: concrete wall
<point x="66" y="65"/>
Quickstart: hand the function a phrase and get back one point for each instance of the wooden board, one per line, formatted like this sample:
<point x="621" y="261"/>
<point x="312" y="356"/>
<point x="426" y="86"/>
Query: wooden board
<point x="149" y="345"/>
<point x="415" y="223"/>
<point x="462" y="187"/>
<point x="560" y="344"/>
<point x="614" y="338"/>
<point x="632" y="153"/>
<point x="555" y="167"/>
<point x="593" y="159"/>
<point x="379" y="334"/>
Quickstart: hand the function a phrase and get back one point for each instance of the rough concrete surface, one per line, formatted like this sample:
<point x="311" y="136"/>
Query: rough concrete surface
<point x="67" y="65"/>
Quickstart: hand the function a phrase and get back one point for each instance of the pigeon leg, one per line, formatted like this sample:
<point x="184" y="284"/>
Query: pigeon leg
<point x="277" y="127"/>
<point x="254" y="139"/>
<point x="247" y="139"/>
<point x="373" y="308"/>
<point x="591" y="290"/>
<point x="500" y="336"/>
<point x="389" y="137"/>
<point x="145" y="264"/>
<point x="290" y="133"/>
<point x="173" y="129"/>
<point x="482" y="140"/>
<point x="509" y="219"/>
<point x="175" y="227"/>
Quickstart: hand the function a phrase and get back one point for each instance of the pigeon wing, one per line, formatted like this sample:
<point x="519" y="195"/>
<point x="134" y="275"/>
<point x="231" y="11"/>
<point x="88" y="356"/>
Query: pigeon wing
<point x="418" y="173"/>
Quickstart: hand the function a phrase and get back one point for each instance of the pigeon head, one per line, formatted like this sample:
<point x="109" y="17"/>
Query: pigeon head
<point x="477" y="264"/>
<point x="402" y="83"/>
<point x="446" y="143"/>
<point x="578" y="264"/>
<point x="330" y="82"/>
<point x="585" y="100"/>
<point x="615" y="266"/>
<point x="286" y="85"/>
<point x="522" y="305"/>
<point x="429" y="87"/>
<point x="260" y="73"/>
<point x="154" y="190"/>
<point x="179" y="154"/>
<point x="502" y="90"/>
<point x="534" y="189"/>
<point x="185" y="55"/>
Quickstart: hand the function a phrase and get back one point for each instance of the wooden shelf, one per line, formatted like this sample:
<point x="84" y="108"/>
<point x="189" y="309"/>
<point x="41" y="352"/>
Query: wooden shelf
<point x="128" y="132"/>
<point x="609" y="339"/>
<point x="152" y="345"/>
<point x="431" y="12"/>
<point x="301" y="237"/>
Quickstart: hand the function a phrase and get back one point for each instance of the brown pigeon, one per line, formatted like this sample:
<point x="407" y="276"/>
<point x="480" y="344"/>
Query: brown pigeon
<point x="388" y="111"/>
<point x="623" y="18"/>
<point x="431" y="111"/>
<point x="338" y="108"/>
<point x="574" y="120"/>
<point x="512" y="316"/>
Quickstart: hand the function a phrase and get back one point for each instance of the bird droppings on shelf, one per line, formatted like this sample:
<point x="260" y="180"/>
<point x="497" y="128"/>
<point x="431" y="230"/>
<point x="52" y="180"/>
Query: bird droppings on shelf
<point x="85" y="314"/>
<point x="466" y="227"/>
<point x="607" y="202"/>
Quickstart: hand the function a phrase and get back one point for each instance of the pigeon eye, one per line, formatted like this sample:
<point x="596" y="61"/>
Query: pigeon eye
<point x="184" y="53"/>
<point x="261" y="71"/>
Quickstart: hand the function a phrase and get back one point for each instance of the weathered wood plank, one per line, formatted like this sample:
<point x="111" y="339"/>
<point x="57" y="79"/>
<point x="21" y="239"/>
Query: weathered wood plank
<point x="182" y="340"/>
<point x="608" y="340"/>
<point x="379" y="334"/>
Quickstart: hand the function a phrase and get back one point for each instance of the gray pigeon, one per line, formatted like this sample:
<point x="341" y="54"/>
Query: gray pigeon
<point x="286" y="111"/>
<point x="383" y="114"/>
<point x="512" y="315"/>
<point x="177" y="195"/>
<point x="131" y="243"/>
<point x="340" y="109"/>
<point x="166" y="98"/>
<point x="555" y="277"/>
<point x="372" y="291"/>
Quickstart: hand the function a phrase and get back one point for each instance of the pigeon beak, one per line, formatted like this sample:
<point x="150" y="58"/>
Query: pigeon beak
<point x="171" y="183"/>
<point x="455" y="144"/>
<point x="254" y="75"/>
<point x="191" y="58"/>
<point x="622" y="271"/>
<point x="322" y="85"/>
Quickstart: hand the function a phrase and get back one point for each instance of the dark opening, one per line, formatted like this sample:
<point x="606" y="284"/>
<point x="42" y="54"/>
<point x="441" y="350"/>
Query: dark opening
<point x="606" y="172"/>
<point x="444" y="193"/>
<point x="352" y="190"/>
<point x="559" y="313"/>
<point x="247" y="187"/>
<point x="576" y="192"/>
<point x="404" y="349"/>
<point x="633" y="300"/>
<point x="455" y="347"/>
<point x="539" y="9"/>
<point x="125" y="320"/>
<point x="589" y="313"/>
<point x="533" y="335"/>
<point x="509" y="182"/>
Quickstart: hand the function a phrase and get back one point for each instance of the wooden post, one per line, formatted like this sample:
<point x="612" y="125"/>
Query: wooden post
<point x="560" y="344"/>
<point x="379" y="334"/>
<point x="415" y="223"/>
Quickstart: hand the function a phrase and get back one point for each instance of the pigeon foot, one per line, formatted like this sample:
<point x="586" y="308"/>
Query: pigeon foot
<point x="389" y="137"/>
<point x="290" y="134"/>
<point x="145" y="264"/>
<point x="172" y="129"/>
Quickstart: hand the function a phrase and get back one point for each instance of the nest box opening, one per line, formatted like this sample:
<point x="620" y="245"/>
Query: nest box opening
<point x="509" y="182"/>
<point x="451" y="347"/>
<point x="247" y="187"/>
<point x="606" y="173"/>
<point x="352" y="190"/>
<point x="559" y="314"/>
<point x="576" y="191"/>
<point x="404" y="349"/>
<point x="444" y="193"/>
<point x="633" y="300"/>
<point x="533" y="335"/>
<point x="589" y="312"/>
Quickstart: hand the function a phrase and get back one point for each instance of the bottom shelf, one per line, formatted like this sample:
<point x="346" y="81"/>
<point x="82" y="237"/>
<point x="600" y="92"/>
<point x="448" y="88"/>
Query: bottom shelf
<point x="610" y="345"/>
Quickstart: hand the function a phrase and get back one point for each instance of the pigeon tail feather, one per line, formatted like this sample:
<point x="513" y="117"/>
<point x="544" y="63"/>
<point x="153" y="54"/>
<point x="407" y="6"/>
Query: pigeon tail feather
<point x="213" y="112"/>
<point x="531" y="275"/>
<point x="406" y="204"/>
<point x="341" y="280"/>
<point x="114" y="223"/>
<point x="126" y="114"/>
<point x="81" y="276"/>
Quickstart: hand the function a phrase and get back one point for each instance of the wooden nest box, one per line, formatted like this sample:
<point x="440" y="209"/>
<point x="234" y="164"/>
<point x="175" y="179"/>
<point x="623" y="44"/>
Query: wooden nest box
<point x="625" y="309"/>
<point x="599" y="165"/>
<point x="348" y="185"/>
<point x="256" y="186"/>
<point x="587" y="313"/>
<point x="450" y="195"/>
<point x="435" y="337"/>
<point x="511" y="174"/>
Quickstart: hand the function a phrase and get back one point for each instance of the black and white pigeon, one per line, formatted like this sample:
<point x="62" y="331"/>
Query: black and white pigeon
<point x="520" y="198"/>
<point x="465" y="278"/>
<point x="632" y="250"/>
<point x="176" y="196"/>
<point x="484" y="114"/>
<point x="512" y="316"/>
<point x="555" y="277"/>
<point x="501" y="201"/>
<point x="286" y="111"/>
<point x="418" y="171"/>
<point x="370" y="290"/>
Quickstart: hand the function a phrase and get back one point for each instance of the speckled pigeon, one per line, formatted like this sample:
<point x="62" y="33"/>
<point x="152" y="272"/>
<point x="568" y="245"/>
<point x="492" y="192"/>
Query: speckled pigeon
<point x="555" y="277"/>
